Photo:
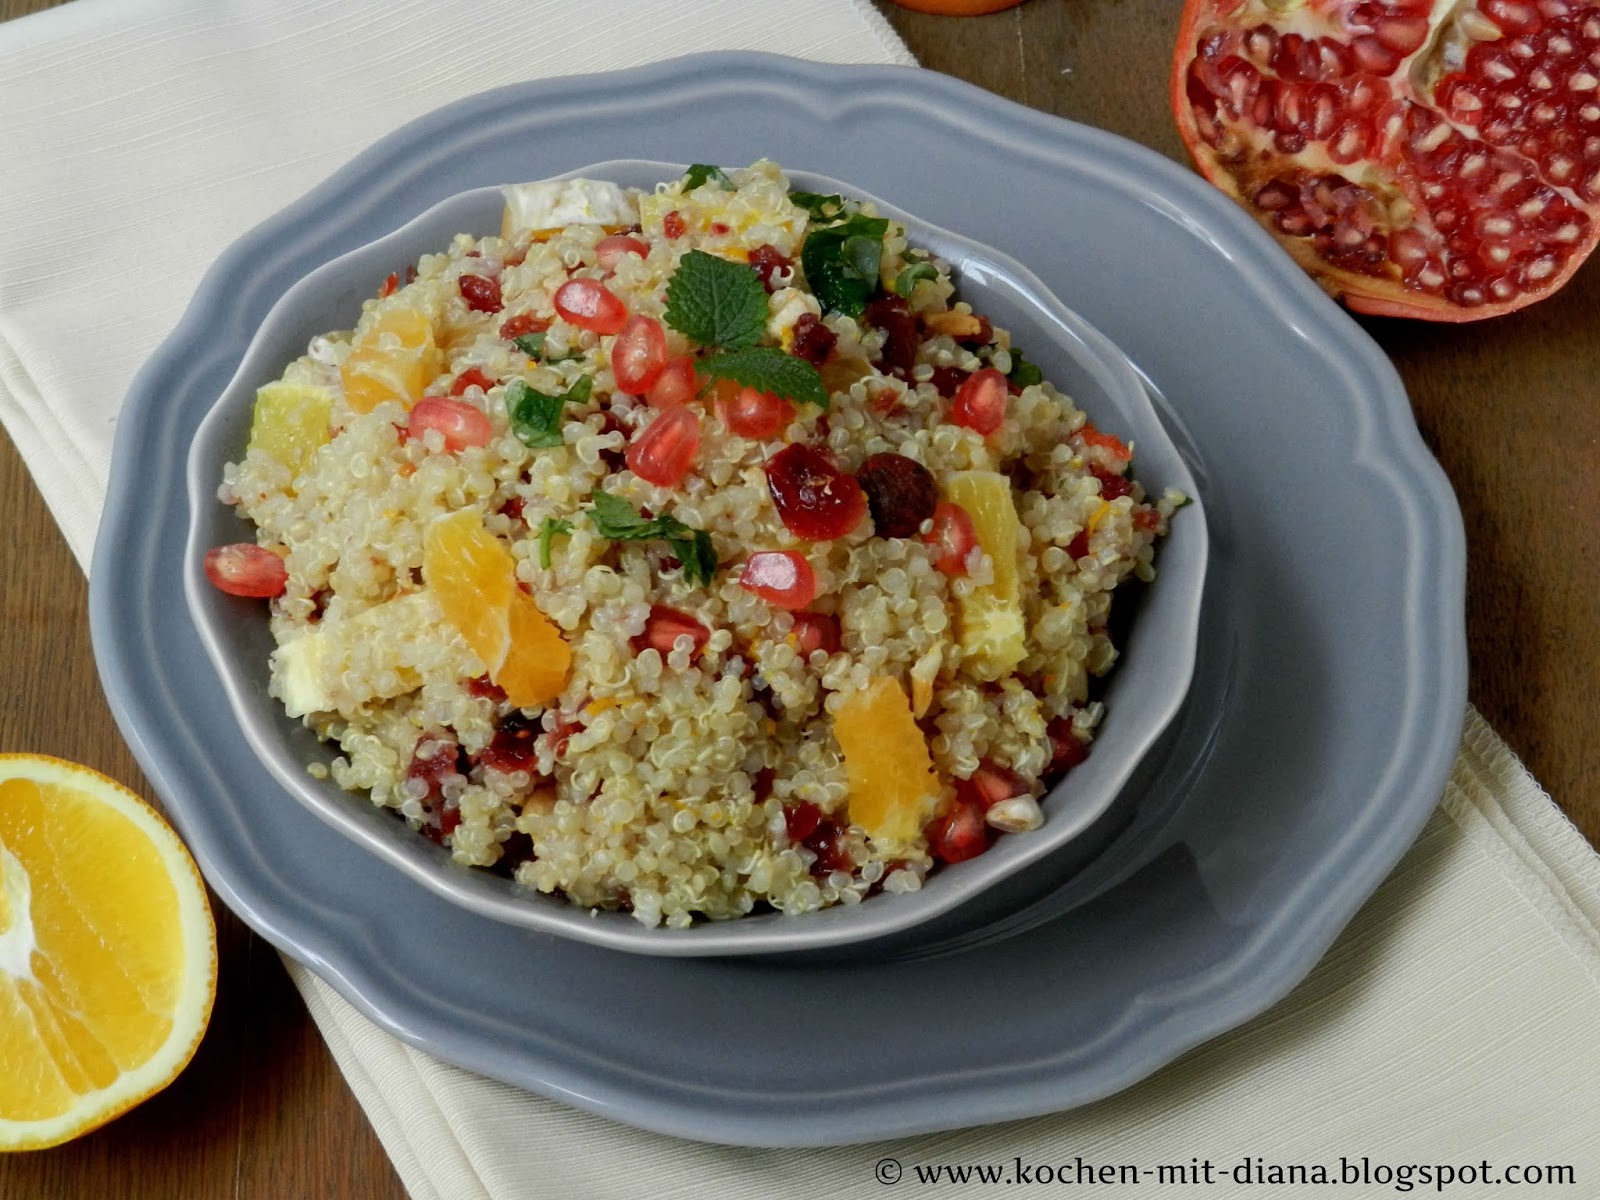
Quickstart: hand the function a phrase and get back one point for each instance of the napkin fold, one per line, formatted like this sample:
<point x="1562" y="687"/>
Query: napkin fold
<point x="1452" y="1023"/>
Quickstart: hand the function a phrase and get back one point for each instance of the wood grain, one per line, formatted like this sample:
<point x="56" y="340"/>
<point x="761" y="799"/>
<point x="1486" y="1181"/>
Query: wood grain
<point x="1511" y="408"/>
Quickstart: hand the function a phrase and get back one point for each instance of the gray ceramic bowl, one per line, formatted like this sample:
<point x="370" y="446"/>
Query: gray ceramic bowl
<point x="1146" y="690"/>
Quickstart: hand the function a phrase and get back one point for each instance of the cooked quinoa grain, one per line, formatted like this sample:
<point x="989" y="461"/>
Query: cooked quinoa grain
<point x="582" y="605"/>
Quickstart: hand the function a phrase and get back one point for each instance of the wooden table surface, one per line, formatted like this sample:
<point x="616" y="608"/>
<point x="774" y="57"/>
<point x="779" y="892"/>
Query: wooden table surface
<point x="1510" y="407"/>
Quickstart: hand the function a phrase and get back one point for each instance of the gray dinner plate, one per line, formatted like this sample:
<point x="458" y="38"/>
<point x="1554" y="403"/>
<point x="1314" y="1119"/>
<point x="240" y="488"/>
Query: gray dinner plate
<point x="1317" y="736"/>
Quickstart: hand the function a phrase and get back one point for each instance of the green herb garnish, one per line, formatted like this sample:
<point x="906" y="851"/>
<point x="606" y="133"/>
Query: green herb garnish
<point x="1023" y="373"/>
<point x="699" y="173"/>
<point x="768" y="369"/>
<point x="906" y="282"/>
<point x="716" y="302"/>
<point x="533" y="345"/>
<point x="841" y="262"/>
<point x="823" y="209"/>
<point x="537" y="418"/>
<point x="547" y="532"/>
<point x="614" y="518"/>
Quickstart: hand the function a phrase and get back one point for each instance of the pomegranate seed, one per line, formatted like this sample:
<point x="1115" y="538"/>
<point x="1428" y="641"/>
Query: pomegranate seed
<point x="994" y="783"/>
<point x="665" y="626"/>
<point x="470" y="378"/>
<point x="753" y="414"/>
<point x="672" y="225"/>
<point x="436" y="759"/>
<point x="677" y="384"/>
<point x="952" y="537"/>
<point x="980" y="402"/>
<point x="611" y="250"/>
<point x="1067" y="749"/>
<point x="460" y="423"/>
<point x="663" y="451"/>
<point x="961" y="832"/>
<point x="391" y="283"/>
<point x="816" y="631"/>
<point x="589" y="304"/>
<point x="892" y="315"/>
<point x="1079" y="545"/>
<point x="814" y="498"/>
<point x="245" y="569"/>
<point x="780" y="577"/>
<point x="481" y="293"/>
<point x="523" y="324"/>
<point x="639" y="355"/>
<point x="901" y="494"/>
<point x="947" y="381"/>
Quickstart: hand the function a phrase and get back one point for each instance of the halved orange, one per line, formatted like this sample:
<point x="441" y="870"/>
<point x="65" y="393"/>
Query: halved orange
<point x="108" y="952"/>
<point x="893" y="791"/>
<point x="393" y="359"/>
<point x="474" y="578"/>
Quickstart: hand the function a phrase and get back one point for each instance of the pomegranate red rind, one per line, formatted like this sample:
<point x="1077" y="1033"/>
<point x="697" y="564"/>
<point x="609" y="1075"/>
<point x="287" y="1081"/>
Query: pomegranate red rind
<point x="1441" y="164"/>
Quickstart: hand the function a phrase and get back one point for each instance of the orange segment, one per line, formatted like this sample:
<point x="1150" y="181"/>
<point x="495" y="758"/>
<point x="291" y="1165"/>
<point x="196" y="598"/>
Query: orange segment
<point x="394" y="359"/>
<point x="993" y="633"/>
<point x="108" y="956"/>
<point x="893" y="790"/>
<point x="474" y="578"/>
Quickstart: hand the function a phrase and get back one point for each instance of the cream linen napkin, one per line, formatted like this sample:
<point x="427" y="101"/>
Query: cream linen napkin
<point x="1454" y="1022"/>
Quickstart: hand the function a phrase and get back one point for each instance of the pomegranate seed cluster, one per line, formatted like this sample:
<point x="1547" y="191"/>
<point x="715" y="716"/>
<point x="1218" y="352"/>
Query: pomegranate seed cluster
<point x="688" y="768"/>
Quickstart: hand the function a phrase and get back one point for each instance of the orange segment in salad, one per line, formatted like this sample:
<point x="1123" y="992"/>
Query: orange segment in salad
<point x="893" y="790"/>
<point x="393" y="360"/>
<point x="474" y="579"/>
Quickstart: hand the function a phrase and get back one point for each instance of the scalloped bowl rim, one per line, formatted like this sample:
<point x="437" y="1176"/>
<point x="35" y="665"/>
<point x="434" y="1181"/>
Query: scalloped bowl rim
<point x="265" y="725"/>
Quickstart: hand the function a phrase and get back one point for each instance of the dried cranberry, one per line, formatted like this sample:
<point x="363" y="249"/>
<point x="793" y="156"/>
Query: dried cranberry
<point x="947" y="381"/>
<point x="813" y="341"/>
<point x="1079" y="545"/>
<point x="993" y="783"/>
<point x="512" y="747"/>
<point x="815" y="499"/>
<point x="512" y="508"/>
<point x="767" y="260"/>
<point x="762" y="785"/>
<point x="899" y="352"/>
<point x="442" y="820"/>
<point x="1067" y="749"/>
<point x="1112" y="485"/>
<point x="481" y="293"/>
<point x="901" y="493"/>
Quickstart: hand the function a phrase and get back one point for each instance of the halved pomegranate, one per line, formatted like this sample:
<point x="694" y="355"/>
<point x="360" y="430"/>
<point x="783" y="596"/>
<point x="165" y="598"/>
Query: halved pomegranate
<point x="1427" y="160"/>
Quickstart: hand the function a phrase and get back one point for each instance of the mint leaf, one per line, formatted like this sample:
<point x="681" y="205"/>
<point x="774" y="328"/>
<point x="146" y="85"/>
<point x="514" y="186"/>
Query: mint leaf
<point x="547" y="532"/>
<point x="616" y="519"/>
<point x="906" y="282"/>
<point x="696" y="554"/>
<point x="536" y="417"/>
<point x="1023" y="373"/>
<point x="768" y="369"/>
<point x="716" y="302"/>
<point x="698" y="173"/>
<point x="841" y="262"/>
<point x="822" y="208"/>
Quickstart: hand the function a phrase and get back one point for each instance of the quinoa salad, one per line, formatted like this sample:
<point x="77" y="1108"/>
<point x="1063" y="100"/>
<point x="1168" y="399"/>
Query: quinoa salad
<point x="692" y="552"/>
